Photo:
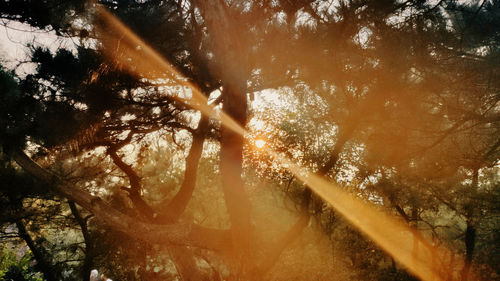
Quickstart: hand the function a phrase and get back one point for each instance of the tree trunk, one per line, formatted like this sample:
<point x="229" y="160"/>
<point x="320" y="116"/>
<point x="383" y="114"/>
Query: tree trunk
<point x="174" y="209"/>
<point x="470" y="231"/>
<point x="233" y="74"/>
<point x="134" y="192"/>
<point x="237" y="202"/>
<point x="89" y="246"/>
<point x="470" y="242"/>
<point x="187" y="234"/>
<point x="48" y="270"/>
<point x="414" y="224"/>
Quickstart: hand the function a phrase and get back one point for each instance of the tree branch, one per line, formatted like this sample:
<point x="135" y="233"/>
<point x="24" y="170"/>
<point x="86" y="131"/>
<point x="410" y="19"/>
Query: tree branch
<point x="186" y="234"/>
<point x="48" y="270"/>
<point x="89" y="245"/>
<point x="171" y="211"/>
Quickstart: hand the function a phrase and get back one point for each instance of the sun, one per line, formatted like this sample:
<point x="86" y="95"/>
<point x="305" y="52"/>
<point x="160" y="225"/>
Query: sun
<point x="260" y="143"/>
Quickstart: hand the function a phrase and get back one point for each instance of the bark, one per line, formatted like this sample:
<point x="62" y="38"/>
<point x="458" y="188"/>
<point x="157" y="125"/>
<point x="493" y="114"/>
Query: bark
<point x="178" y="234"/>
<point x="470" y="242"/>
<point x="413" y="225"/>
<point x="89" y="245"/>
<point x="237" y="202"/>
<point x="42" y="264"/>
<point x="470" y="232"/>
<point x="181" y="256"/>
<point x="174" y="209"/>
<point x="233" y="72"/>
<point x="135" y="185"/>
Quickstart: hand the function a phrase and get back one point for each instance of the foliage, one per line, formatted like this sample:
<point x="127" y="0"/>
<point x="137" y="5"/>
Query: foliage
<point x="16" y="268"/>
<point x="395" y="102"/>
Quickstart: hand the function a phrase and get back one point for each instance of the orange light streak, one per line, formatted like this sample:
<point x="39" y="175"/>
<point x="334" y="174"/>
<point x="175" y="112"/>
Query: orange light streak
<point x="393" y="236"/>
<point x="260" y="143"/>
<point x="126" y="48"/>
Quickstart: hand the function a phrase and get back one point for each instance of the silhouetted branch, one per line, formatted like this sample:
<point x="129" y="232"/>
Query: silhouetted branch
<point x="172" y="210"/>
<point x="178" y="234"/>
<point x="89" y="245"/>
<point x="48" y="270"/>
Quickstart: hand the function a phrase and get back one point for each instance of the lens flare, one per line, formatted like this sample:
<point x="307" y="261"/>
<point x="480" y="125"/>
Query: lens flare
<point x="130" y="52"/>
<point x="260" y="143"/>
<point x="392" y="235"/>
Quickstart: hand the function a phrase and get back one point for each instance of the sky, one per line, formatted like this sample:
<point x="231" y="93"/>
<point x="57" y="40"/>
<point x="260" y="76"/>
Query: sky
<point x="15" y="38"/>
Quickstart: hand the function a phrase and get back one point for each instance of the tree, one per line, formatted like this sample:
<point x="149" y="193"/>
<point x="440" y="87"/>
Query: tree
<point x="113" y="95"/>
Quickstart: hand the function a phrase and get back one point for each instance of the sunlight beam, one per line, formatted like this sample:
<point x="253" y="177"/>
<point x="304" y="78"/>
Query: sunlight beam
<point x="125" y="48"/>
<point x="260" y="143"/>
<point x="393" y="236"/>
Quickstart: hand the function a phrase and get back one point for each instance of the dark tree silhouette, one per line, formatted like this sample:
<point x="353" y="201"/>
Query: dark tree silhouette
<point x="400" y="97"/>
